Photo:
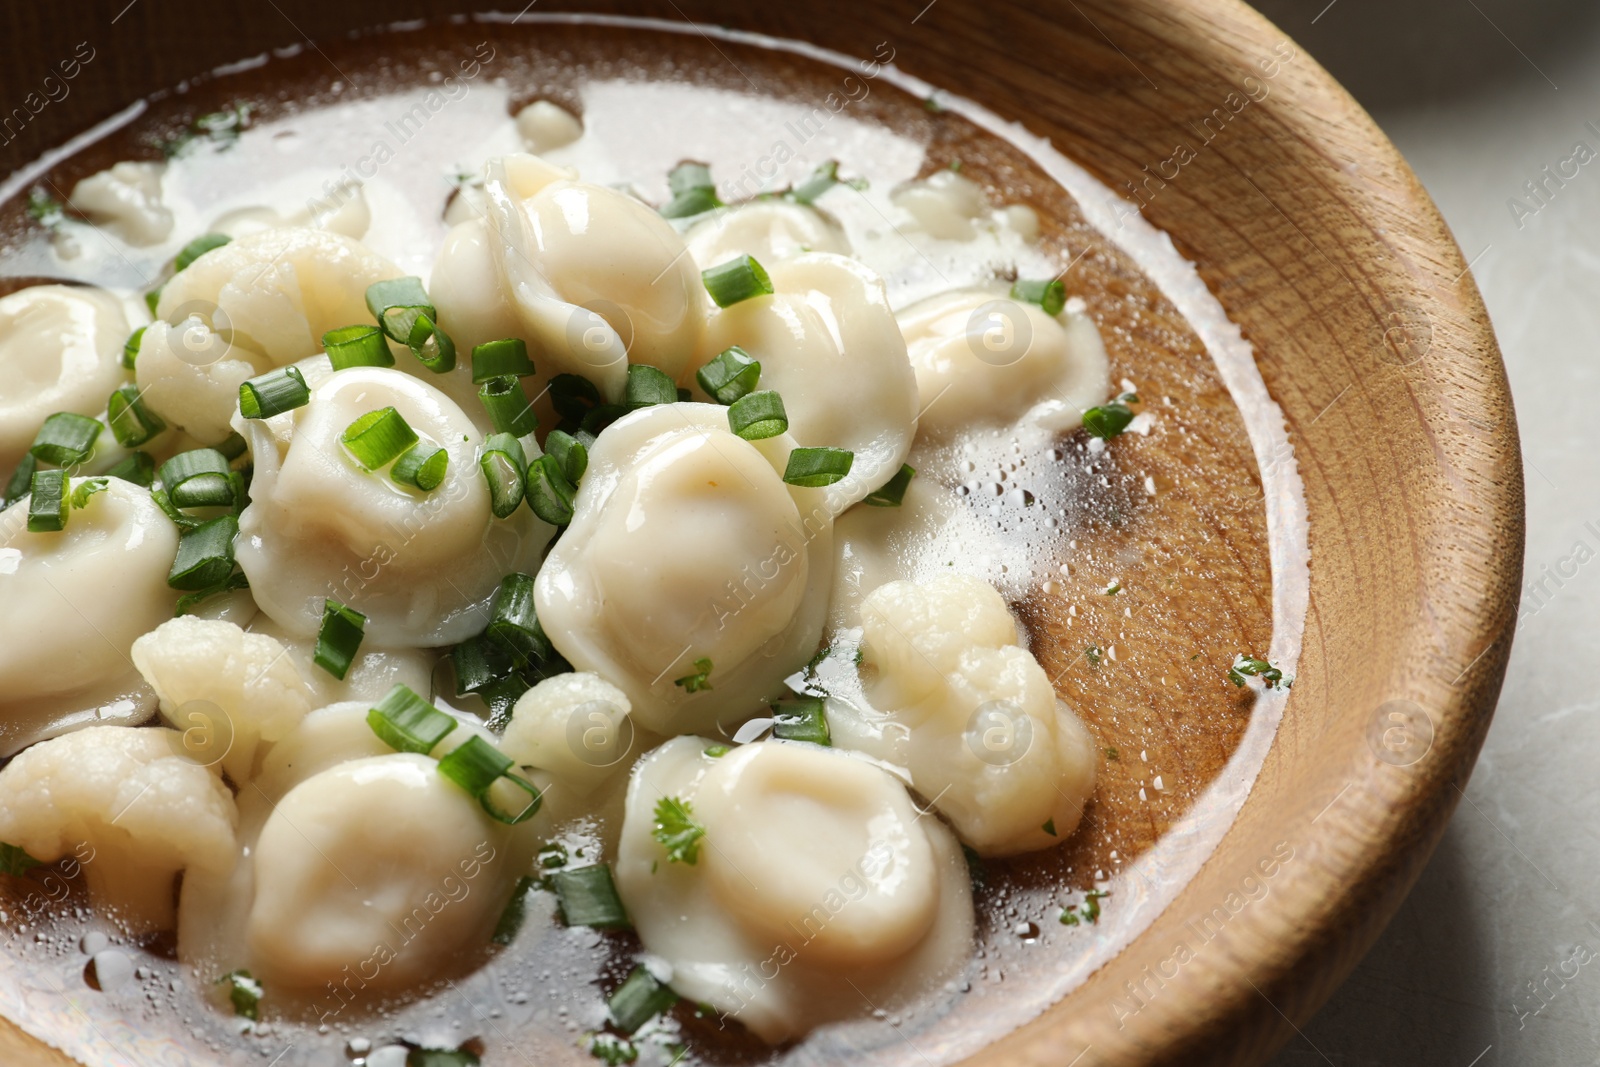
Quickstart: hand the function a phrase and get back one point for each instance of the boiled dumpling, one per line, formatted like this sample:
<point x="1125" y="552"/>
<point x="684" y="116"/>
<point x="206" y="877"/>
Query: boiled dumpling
<point x="981" y="357"/>
<point x="60" y="350"/>
<point x="545" y="125"/>
<point x="239" y="689"/>
<point x="970" y="714"/>
<point x="145" y="809"/>
<point x="686" y="545"/>
<point x="126" y="200"/>
<point x="828" y="343"/>
<point x="260" y="302"/>
<point x="75" y="601"/>
<point x="373" y="672"/>
<point x="381" y="867"/>
<point x="421" y="567"/>
<point x="597" y="278"/>
<point x="818" y="891"/>
<point x="768" y="230"/>
<point x="574" y="726"/>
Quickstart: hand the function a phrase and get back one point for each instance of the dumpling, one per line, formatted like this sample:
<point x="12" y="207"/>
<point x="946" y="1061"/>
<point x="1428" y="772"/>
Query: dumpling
<point x="131" y="795"/>
<point x="981" y="357"/>
<point x="60" y="350"/>
<point x="768" y="230"/>
<point x="875" y="546"/>
<point x="75" y="601"/>
<point x="381" y="868"/>
<point x="544" y="125"/>
<point x="597" y="278"/>
<point x="421" y="567"/>
<point x="373" y="672"/>
<point x="970" y="713"/>
<point x="952" y="207"/>
<point x="687" y="545"/>
<point x="260" y="302"/>
<point x="818" y="893"/>
<point x="126" y="200"/>
<point x="239" y="689"/>
<point x="829" y="344"/>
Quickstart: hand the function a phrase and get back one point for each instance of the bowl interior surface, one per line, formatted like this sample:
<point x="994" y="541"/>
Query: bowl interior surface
<point x="1316" y="239"/>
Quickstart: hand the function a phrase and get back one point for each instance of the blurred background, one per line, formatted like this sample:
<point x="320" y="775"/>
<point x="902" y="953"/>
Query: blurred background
<point x="1494" y="961"/>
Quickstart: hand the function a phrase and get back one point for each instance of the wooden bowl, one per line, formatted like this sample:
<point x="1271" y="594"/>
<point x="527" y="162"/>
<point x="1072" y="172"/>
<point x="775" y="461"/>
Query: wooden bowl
<point x="1317" y="239"/>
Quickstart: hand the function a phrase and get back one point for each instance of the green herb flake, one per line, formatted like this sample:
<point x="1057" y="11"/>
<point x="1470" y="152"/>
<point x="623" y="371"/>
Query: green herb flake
<point x="677" y="831"/>
<point x="700" y="680"/>
<point x="245" y="993"/>
<point x="1253" y="667"/>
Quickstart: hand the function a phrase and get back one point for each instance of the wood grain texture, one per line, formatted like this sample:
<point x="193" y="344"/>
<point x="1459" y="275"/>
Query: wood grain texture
<point x="1321" y="245"/>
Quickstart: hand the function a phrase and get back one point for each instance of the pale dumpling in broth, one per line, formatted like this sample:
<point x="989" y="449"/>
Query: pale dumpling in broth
<point x="60" y="350"/>
<point x="768" y="230"/>
<point x="75" y="602"/>
<point x="983" y="359"/>
<point x="817" y="892"/>
<point x="259" y="302"/>
<point x="597" y="278"/>
<point x="125" y="199"/>
<point x="421" y="566"/>
<point x="379" y="867"/>
<point x="686" y="544"/>
<point x="828" y="344"/>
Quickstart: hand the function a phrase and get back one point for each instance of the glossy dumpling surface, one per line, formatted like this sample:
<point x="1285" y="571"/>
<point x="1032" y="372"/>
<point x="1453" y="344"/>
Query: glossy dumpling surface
<point x="769" y="230"/>
<point x="686" y="544"/>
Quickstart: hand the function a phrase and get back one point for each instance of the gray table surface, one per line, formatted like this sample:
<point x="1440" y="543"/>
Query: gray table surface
<point x="1495" y="957"/>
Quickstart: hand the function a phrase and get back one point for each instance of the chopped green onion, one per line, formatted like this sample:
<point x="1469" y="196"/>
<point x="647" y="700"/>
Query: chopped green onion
<point x="197" y="248"/>
<point x="676" y="830"/>
<point x="514" y="624"/>
<point x="245" y="993"/>
<point x="378" y="438"/>
<point x="801" y="719"/>
<point x="718" y="751"/>
<point x="573" y="396"/>
<point x="601" y="417"/>
<point x="131" y="422"/>
<point x="198" y="478"/>
<point x="86" y="489"/>
<point x="500" y="359"/>
<point x="505" y="468"/>
<point x="431" y="345"/>
<point x="130" y="347"/>
<point x="66" y="439"/>
<point x="477" y="766"/>
<point x="648" y="386"/>
<point x="893" y="492"/>
<point x="338" y="638"/>
<point x="729" y="375"/>
<point x="737" y="280"/>
<point x="638" y="1000"/>
<point x="699" y="680"/>
<point x="614" y="1051"/>
<point x="16" y="861"/>
<point x="478" y="663"/>
<point x="139" y="468"/>
<point x="570" y="454"/>
<point x="189" y="601"/>
<point x="407" y="723"/>
<point x="205" y="555"/>
<point x="515" y="913"/>
<point x="232" y="447"/>
<point x="442" y="1057"/>
<point x="815" y="467"/>
<point x="1107" y="420"/>
<point x="1049" y="827"/>
<point x="825" y="177"/>
<point x="152" y="299"/>
<point x="21" y="481"/>
<point x="1051" y="294"/>
<point x="552" y="854"/>
<point x="396" y="304"/>
<point x="421" y="467"/>
<point x="757" y="416"/>
<point x="357" y="346"/>
<point x="501" y="696"/>
<point x="693" y="191"/>
<point x="508" y="406"/>
<point x="550" y="494"/>
<point x="588" y="897"/>
<point x="47" y="504"/>
<point x="273" y="393"/>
